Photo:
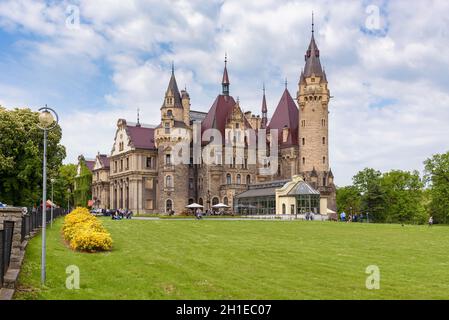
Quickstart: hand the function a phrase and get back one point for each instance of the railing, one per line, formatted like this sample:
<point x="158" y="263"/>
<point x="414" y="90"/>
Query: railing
<point x="30" y="223"/>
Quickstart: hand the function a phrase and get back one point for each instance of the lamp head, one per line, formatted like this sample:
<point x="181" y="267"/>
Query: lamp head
<point x="46" y="119"/>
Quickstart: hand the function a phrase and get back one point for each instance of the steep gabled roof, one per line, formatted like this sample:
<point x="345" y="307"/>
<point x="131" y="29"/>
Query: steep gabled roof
<point x="90" y="164"/>
<point x="218" y="113"/>
<point x="141" y="138"/>
<point x="286" y="115"/>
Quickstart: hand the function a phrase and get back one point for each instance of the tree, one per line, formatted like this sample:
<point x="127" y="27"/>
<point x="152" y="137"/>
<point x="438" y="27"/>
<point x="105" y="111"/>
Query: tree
<point x="64" y="185"/>
<point x="368" y="183"/>
<point x="83" y="184"/>
<point x="437" y="177"/>
<point x="348" y="199"/>
<point x="404" y="197"/>
<point x="21" y="153"/>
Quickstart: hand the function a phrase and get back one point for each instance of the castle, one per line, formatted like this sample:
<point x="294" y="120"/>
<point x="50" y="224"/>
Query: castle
<point x="140" y="174"/>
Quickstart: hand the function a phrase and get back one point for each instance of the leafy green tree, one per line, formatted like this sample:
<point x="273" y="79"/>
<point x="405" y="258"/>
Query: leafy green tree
<point x="21" y="153"/>
<point x="368" y="183"/>
<point x="64" y="185"/>
<point x="83" y="185"/>
<point x="437" y="176"/>
<point x="404" y="197"/>
<point x="349" y="199"/>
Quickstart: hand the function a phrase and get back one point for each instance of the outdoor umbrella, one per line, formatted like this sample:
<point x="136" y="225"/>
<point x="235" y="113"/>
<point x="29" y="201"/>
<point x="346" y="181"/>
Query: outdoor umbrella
<point x="220" y="206"/>
<point x="194" y="206"/>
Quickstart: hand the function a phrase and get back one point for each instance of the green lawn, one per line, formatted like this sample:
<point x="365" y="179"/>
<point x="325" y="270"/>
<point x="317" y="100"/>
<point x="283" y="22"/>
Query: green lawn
<point x="171" y="259"/>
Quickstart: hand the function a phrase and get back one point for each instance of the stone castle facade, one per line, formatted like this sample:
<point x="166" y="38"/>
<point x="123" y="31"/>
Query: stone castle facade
<point x="141" y="174"/>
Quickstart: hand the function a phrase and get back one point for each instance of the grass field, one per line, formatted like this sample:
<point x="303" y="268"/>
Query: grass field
<point x="246" y="260"/>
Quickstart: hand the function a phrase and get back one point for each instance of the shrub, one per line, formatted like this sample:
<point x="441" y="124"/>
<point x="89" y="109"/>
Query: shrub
<point x="85" y="232"/>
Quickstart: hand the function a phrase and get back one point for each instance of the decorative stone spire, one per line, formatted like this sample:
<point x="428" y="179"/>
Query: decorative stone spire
<point x="172" y="90"/>
<point x="138" y="118"/>
<point x="225" y="82"/>
<point x="264" y="122"/>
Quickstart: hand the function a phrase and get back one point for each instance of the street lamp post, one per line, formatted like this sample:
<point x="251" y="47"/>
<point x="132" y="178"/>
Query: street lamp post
<point x="47" y="122"/>
<point x="52" y="194"/>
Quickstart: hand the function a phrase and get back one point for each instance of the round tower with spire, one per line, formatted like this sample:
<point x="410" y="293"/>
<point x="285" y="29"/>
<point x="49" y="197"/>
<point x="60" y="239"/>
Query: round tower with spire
<point x="313" y="101"/>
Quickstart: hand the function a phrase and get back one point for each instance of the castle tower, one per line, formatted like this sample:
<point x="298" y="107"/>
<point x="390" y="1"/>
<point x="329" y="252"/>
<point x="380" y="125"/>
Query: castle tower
<point x="313" y="101"/>
<point x="170" y="136"/>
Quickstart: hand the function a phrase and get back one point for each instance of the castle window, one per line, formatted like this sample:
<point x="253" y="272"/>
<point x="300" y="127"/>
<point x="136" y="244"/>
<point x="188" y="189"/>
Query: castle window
<point x="225" y="200"/>
<point x="121" y="165"/>
<point x="324" y="140"/>
<point x="303" y="160"/>
<point x="324" y="160"/>
<point x="127" y="164"/>
<point x="303" y="123"/>
<point x="303" y="141"/>
<point x="324" y="181"/>
<point x="200" y="201"/>
<point x="168" y="206"/>
<point x="169" y="113"/>
<point x="115" y="166"/>
<point x="215" y="201"/>
<point x="191" y="183"/>
<point x="239" y="179"/>
<point x="237" y="125"/>
<point x="167" y="127"/>
<point x="168" y="182"/>
<point x="228" y="179"/>
<point x="246" y="163"/>
<point x="323" y="122"/>
<point x="168" y="159"/>
<point x="248" y="179"/>
<point x="149" y="162"/>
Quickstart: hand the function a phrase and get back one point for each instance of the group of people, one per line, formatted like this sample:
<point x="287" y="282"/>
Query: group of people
<point x="351" y="217"/>
<point x="120" y="214"/>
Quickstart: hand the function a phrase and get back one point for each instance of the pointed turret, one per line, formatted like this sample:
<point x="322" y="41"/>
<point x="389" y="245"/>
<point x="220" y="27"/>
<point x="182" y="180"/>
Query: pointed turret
<point x="225" y="82"/>
<point x="172" y="95"/>
<point x="312" y="57"/>
<point x="264" y="122"/>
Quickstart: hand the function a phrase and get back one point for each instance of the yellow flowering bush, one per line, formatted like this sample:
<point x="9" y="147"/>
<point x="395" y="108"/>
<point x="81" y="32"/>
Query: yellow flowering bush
<point x="85" y="232"/>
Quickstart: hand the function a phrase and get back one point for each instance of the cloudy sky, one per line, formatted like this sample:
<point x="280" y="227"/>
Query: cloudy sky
<point x="96" y="61"/>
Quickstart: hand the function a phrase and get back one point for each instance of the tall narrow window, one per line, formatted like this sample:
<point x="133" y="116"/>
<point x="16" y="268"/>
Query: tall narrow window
<point x="303" y="141"/>
<point x="303" y="160"/>
<point x="168" y="159"/>
<point x="248" y="179"/>
<point x="324" y="140"/>
<point x="168" y="181"/>
<point x="324" y="160"/>
<point x="239" y="179"/>
<point x="228" y="179"/>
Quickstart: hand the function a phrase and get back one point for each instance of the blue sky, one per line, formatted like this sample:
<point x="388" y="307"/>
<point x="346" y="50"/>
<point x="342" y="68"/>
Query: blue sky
<point x="388" y="73"/>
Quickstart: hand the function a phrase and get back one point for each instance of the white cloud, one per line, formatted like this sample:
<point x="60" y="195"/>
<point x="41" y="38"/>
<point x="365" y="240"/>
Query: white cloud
<point x="391" y="100"/>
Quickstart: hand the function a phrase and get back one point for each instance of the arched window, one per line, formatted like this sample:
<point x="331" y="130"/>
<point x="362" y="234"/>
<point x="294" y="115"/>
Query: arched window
<point x="168" y="181"/>
<point x="191" y="201"/>
<point x="239" y="179"/>
<point x="228" y="179"/>
<point x="303" y="141"/>
<point x="324" y="160"/>
<point x="284" y="210"/>
<point x="303" y="160"/>
<point x="200" y="201"/>
<point x="324" y="140"/>
<point x="248" y="179"/>
<point x="168" y="205"/>
<point x="225" y="200"/>
<point x="215" y="201"/>
<point x="169" y="113"/>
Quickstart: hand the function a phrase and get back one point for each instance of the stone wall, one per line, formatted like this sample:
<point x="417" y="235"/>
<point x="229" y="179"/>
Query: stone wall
<point x="14" y="215"/>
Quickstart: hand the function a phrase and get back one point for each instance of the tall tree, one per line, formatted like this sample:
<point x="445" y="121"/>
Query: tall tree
<point x="368" y="183"/>
<point x="404" y="197"/>
<point x="349" y="199"/>
<point x="21" y="152"/>
<point x="437" y="176"/>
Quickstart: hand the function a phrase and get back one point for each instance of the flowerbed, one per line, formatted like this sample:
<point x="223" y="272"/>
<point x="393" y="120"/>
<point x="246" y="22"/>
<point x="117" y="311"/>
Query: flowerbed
<point x="84" y="232"/>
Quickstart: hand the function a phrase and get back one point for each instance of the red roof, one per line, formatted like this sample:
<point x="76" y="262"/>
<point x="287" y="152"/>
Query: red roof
<point x="90" y="164"/>
<point x="286" y="115"/>
<point x="141" y="138"/>
<point x="218" y="114"/>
